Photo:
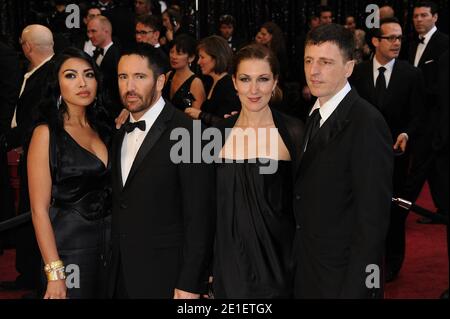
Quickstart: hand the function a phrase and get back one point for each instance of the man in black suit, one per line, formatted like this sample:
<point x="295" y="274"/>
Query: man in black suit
<point x="106" y="55"/>
<point x="163" y="211"/>
<point x="227" y="26"/>
<point x="37" y="46"/>
<point x="424" y="54"/>
<point x="396" y="88"/>
<point x="343" y="187"/>
<point x="9" y="92"/>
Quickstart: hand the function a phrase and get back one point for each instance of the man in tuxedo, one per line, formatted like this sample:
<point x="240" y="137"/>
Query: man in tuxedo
<point x="397" y="89"/>
<point x="37" y="45"/>
<point x="80" y="38"/>
<point x="227" y="25"/>
<point x="343" y="185"/>
<point x="424" y="53"/>
<point x="106" y="55"/>
<point x="163" y="212"/>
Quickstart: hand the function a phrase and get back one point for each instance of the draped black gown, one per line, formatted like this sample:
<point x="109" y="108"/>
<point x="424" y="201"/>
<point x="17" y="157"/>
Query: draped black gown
<point x="254" y="233"/>
<point x="80" y="213"/>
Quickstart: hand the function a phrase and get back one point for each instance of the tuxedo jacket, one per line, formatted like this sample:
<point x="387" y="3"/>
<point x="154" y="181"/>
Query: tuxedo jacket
<point x="342" y="200"/>
<point x="163" y="218"/>
<point x="403" y="104"/>
<point x="428" y="62"/>
<point x="27" y="106"/>
<point x="110" y="82"/>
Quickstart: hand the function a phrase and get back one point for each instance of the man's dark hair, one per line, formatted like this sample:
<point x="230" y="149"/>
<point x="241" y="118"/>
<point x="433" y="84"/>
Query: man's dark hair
<point x="151" y="21"/>
<point x="155" y="60"/>
<point x="336" y="34"/>
<point x="325" y="9"/>
<point x="227" y="20"/>
<point x="376" y="32"/>
<point x="427" y="4"/>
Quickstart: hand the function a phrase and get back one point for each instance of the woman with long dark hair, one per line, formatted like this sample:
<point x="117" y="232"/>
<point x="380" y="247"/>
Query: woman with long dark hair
<point x="68" y="177"/>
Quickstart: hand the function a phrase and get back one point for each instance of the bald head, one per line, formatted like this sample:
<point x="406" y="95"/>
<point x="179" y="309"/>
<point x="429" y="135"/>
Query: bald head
<point x="39" y="36"/>
<point x="386" y="12"/>
<point x="99" y="31"/>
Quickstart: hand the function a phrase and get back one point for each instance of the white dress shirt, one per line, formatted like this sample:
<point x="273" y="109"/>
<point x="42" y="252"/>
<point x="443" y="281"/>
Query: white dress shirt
<point x="133" y="140"/>
<point x="89" y="48"/>
<point x="25" y="78"/>
<point x="421" y="47"/>
<point x="387" y="73"/>
<point x="328" y="108"/>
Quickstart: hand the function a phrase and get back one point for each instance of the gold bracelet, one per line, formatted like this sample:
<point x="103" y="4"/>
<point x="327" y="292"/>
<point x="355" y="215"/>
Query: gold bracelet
<point x="53" y="265"/>
<point x="56" y="274"/>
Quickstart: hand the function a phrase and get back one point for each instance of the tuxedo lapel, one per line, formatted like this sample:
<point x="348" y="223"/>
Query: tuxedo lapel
<point x="118" y="157"/>
<point x="392" y="86"/>
<point x="427" y="52"/>
<point x="327" y="133"/>
<point x="150" y="140"/>
<point x="369" y="80"/>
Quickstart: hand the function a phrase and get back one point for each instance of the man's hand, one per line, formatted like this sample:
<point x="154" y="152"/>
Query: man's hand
<point x="402" y="140"/>
<point x="181" y="294"/>
<point x="122" y="118"/>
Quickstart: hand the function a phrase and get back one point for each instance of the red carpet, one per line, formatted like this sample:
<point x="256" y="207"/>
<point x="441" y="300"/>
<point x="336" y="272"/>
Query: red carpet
<point x="424" y="274"/>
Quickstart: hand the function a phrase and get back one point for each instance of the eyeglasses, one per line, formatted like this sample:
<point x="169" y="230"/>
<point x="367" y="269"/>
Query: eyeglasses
<point x="142" y="32"/>
<point x="392" y="38"/>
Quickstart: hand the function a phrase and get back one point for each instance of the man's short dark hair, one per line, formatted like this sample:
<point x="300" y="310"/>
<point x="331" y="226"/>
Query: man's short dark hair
<point x="325" y="9"/>
<point x="151" y="21"/>
<point x="155" y="60"/>
<point x="227" y="20"/>
<point x="376" y="32"/>
<point x="336" y="34"/>
<point x="427" y="4"/>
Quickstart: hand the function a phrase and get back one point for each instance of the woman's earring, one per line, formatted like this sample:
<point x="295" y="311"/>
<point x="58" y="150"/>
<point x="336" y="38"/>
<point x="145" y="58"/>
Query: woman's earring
<point x="59" y="102"/>
<point x="273" y="93"/>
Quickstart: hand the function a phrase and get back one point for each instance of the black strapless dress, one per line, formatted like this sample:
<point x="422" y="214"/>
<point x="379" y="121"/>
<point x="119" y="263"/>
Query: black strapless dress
<point x="80" y="214"/>
<point x="254" y="233"/>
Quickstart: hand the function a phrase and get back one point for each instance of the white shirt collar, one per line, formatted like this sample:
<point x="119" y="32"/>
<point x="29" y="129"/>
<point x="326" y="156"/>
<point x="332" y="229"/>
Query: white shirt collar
<point x="105" y="49"/>
<point x="328" y="108"/>
<point x="429" y="35"/>
<point x="151" y="115"/>
<point x="389" y="66"/>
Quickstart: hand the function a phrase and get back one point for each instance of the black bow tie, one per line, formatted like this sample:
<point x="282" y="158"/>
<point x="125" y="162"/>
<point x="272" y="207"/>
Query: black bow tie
<point x="422" y="40"/>
<point x="98" y="51"/>
<point x="130" y="126"/>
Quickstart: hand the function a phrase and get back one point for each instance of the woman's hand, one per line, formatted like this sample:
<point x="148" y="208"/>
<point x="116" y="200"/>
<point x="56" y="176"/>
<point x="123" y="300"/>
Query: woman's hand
<point x="193" y="112"/>
<point x="56" y="290"/>
<point x="122" y="118"/>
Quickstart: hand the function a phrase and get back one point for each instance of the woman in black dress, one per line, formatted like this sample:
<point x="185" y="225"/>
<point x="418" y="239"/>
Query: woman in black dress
<point x="68" y="175"/>
<point x="215" y="57"/>
<point x="255" y="221"/>
<point x="183" y="88"/>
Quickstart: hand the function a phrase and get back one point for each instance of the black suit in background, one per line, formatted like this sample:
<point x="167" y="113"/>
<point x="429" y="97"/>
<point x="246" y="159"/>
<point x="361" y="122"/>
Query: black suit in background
<point x="423" y="158"/>
<point x="28" y="259"/>
<point x="342" y="199"/>
<point x="9" y="92"/>
<point x="163" y="217"/>
<point x="401" y="108"/>
<point x="108" y="66"/>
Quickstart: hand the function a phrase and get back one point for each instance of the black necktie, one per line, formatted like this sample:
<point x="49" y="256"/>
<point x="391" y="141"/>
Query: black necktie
<point x="130" y="126"/>
<point x="380" y="86"/>
<point x="97" y="52"/>
<point x="312" y="126"/>
<point x="422" y="40"/>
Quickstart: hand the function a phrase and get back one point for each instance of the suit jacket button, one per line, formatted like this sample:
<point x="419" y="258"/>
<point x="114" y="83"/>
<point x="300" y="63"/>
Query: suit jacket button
<point x="123" y="206"/>
<point x="297" y="226"/>
<point x="297" y="197"/>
